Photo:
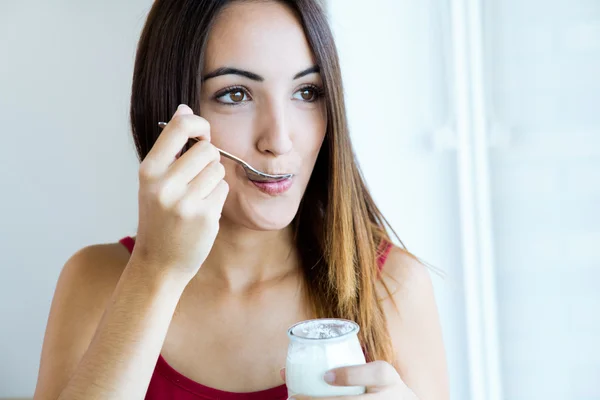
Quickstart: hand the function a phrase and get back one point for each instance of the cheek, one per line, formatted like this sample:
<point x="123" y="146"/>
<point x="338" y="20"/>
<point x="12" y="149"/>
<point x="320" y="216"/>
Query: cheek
<point x="310" y="127"/>
<point x="316" y="142"/>
<point x="232" y="133"/>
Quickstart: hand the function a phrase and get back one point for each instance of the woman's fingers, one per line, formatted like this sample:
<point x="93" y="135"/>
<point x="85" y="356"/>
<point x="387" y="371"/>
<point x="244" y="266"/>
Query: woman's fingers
<point x="376" y="374"/>
<point x="218" y="196"/>
<point x="380" y="378"/>
<point x="193" y="161"/>
<point x="206" y="181"/>
<point x="183" y="126"/>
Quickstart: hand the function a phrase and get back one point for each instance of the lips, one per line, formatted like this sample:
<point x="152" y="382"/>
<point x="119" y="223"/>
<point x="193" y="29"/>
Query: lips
<point x="274" y="188"/>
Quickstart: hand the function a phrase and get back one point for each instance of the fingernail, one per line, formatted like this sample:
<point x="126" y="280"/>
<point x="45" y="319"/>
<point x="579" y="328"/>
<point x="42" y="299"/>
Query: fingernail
<point x="329" y="377"/>
<point x="180" y="109"/>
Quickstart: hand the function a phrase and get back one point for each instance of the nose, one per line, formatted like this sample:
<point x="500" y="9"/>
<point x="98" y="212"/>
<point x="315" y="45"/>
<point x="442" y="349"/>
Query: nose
<point x="274" y="130"/>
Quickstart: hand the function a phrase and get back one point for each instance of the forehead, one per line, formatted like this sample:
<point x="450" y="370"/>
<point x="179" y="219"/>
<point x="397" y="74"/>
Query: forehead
<point x="263" y="37"/>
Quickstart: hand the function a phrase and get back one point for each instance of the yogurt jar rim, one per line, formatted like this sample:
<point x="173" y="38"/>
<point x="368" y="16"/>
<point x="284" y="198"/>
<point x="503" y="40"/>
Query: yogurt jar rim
<point x="354" y="331"/>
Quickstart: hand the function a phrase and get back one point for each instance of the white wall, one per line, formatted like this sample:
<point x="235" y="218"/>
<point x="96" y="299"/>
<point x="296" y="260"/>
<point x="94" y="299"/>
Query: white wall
<point x="67" y="163"/>
<point x="544" y="74"/>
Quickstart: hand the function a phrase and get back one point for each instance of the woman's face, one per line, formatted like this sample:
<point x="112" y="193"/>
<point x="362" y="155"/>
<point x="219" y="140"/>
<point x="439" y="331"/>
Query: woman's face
<point x="262" y="96"/>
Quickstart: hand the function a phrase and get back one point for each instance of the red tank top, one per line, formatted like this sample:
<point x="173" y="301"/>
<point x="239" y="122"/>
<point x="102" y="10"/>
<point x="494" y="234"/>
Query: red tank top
<point x="167" y="383"/>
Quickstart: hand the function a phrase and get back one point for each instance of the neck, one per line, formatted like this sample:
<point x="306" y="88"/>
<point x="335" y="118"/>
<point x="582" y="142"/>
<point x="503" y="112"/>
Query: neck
<point x="242" y="258"/>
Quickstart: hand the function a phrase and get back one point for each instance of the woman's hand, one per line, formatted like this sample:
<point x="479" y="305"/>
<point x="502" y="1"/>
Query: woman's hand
<point x="381" y="380"/>
<point x="180" y="198"/>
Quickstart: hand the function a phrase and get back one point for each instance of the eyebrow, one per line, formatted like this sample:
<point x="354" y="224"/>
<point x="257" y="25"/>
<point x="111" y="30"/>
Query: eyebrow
<point x="312" y="70"/>
<point x="251" y="75"/>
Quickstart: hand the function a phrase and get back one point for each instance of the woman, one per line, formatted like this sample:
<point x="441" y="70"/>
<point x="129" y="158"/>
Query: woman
<point x="222" y="265"/>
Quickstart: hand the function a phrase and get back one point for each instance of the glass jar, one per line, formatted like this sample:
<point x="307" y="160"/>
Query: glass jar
<point x="317" y="346"/>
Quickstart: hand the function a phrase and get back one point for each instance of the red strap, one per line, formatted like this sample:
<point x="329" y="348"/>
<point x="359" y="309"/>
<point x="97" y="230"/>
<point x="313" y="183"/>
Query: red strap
<point x="384" y="251"/>
<point x="128" y="242"/>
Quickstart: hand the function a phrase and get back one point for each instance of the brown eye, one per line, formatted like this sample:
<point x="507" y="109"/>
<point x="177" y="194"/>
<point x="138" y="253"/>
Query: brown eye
<point x="233" y="96"/>
<point x="307" y="94"/>
<point x="237" y="96"/>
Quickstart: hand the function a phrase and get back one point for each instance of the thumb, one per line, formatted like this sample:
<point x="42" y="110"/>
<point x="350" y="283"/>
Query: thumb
<point x="183" y="109"/>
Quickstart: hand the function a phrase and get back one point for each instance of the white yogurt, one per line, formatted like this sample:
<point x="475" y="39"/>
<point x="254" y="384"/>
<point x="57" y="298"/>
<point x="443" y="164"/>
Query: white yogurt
<point x="317" y="346"/>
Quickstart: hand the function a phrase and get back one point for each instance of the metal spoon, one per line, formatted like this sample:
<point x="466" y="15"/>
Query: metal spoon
<point x="253" y="173"/>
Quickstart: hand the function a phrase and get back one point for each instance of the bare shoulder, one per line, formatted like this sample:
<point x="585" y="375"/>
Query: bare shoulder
<point x="83" y="291"/>
<point x="404" y="276"/>
<point x="89" y="277"/>
<point x="99" y="266"/>
<point x="410" y="308"/>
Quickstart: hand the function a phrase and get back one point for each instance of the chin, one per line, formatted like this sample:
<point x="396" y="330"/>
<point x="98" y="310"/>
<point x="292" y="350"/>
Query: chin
<point x="262" y="217"/>
<point x="270" y="220"/>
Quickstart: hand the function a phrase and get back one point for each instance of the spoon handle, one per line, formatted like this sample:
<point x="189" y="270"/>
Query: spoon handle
<point x="227" y="155"/>
<point x="250" y="171"/>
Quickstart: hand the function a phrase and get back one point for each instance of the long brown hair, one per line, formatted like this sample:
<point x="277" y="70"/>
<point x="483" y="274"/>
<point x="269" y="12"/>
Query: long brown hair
<point x="338" y="227"/>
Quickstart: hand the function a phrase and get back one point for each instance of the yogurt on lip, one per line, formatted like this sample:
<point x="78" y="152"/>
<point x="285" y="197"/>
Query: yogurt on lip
<point x="317" y="346"/>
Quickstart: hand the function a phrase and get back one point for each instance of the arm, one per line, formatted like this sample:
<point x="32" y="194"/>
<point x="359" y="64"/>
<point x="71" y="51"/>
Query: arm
<point x="116" y="360"/>
<point x="180" y="203"/>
